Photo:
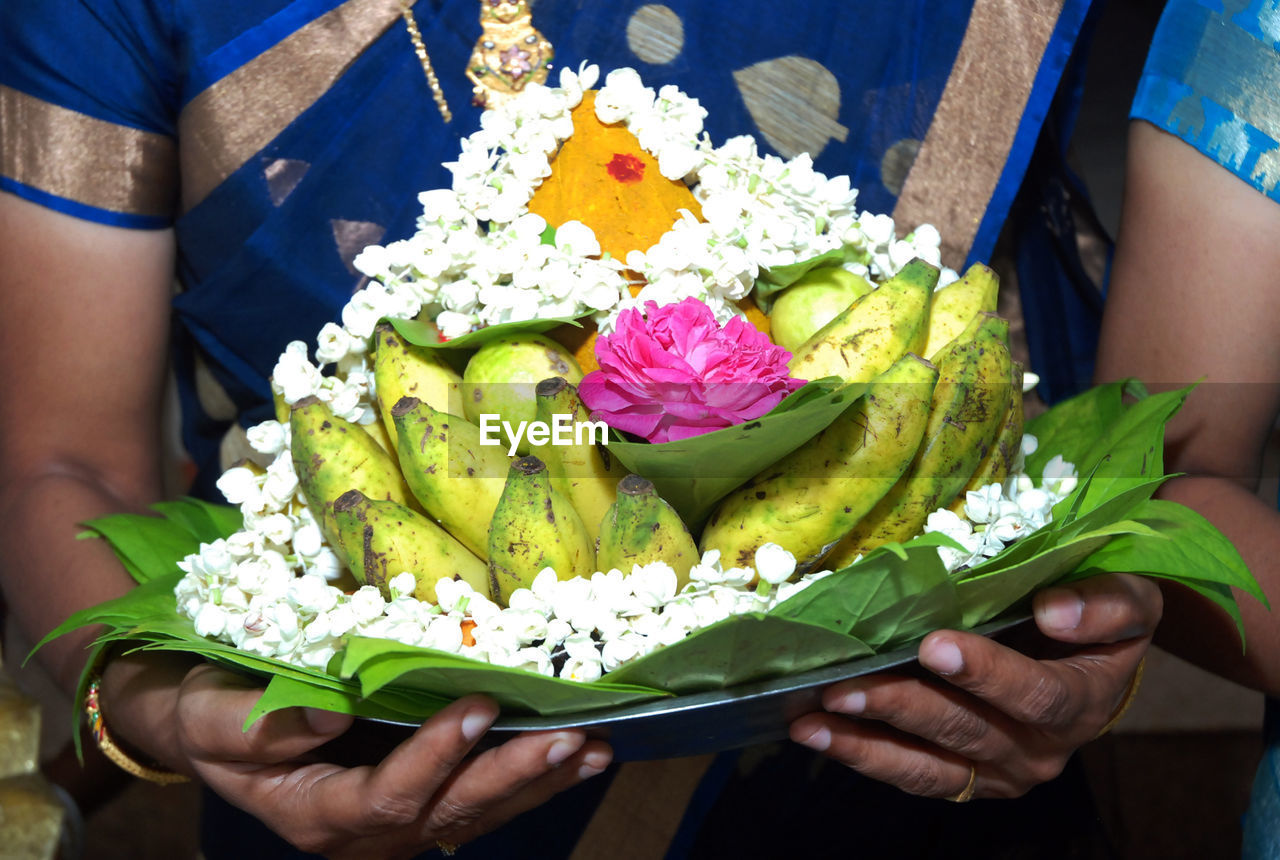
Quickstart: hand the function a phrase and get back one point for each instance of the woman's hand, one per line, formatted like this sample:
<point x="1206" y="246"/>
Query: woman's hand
<point x="428" y="789"/>
<point x="1013" y="719"/>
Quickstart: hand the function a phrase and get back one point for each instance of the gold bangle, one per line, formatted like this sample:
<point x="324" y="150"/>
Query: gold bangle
<point x="98" y="728"/>
<point x="1129" y="695"/>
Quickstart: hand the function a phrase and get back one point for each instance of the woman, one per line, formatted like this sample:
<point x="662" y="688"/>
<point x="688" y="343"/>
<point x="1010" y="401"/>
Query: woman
<point x="253" y="149"/>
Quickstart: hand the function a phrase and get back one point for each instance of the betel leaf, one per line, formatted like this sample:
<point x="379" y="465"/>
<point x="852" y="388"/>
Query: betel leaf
<point x="984" y="597"/>
<point x="380" y="664"/>
<point x="1184" y="547"/>
<point x="424" y="335"/>
<point x="1071" y="427"/>
<point x="1128" y="453"/>
<point x="894" y="595"/>
<point x="693" y="474"/>
<point x="285" y="692"/>
<point x="206" y="521"/>
<point x="774" y="279"/>
<point x="148" y="545"/>
<point x="743" y="648"/>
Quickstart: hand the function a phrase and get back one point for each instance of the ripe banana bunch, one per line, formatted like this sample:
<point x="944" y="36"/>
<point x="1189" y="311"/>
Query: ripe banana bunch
<point x="811" y="498"/>
<point x="582" y="472"/>
<point x="968" y="408"/>
<point x="332" y="456"/>
<point x="870" y="335"/>
<point x="381" y="539"/>
<point x="641" y="528"/>
<point x="402" y="370"/>
<point x="457" y="480"/>
<point x="534" y="527"/>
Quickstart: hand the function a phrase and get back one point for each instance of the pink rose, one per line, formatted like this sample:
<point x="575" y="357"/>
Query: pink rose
<point x="673" y="372"/>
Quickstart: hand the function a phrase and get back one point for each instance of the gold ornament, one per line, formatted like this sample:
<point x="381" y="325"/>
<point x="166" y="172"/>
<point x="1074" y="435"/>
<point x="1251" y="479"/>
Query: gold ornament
<point x="509" y="54"/>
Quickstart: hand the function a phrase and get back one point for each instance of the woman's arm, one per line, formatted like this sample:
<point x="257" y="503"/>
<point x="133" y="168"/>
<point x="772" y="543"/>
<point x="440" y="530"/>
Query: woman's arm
<point x="1195" y="294"/>
<point x="84" y="333"/>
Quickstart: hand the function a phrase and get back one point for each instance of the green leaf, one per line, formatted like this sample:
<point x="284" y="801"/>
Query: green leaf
<point x="149" y="546"/>
<point x="424" y="335"/>
<point x="207" y="522"/>
<point x="985" y="596"/>
<point x="1184" y="547"/>
<point x="739" y="649"/>
<point x="1072" y="427"/>
<point x="693" y="474"/>
<point x="1128" y="453"/>
<point x="777" y="278"/>
<point x="896" y="594"/>
<point x="287" y="692"/>
<point x="379" y="664"/>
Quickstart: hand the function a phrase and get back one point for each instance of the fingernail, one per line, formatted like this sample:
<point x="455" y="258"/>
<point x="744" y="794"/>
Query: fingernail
<point x="564" y="746"/>
<point x="324" y="722"/>
<point x="943" y="657"/>
<point x="853" y="703"/>
<point x="819" y="740"/>
<point x="476" y="723"/>
<point x="593" y="764"/>
<point x="1060" y="609"/>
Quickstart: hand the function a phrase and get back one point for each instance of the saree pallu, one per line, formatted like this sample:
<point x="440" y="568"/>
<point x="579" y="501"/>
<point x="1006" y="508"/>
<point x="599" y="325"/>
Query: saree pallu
<point x="279" y="137"/>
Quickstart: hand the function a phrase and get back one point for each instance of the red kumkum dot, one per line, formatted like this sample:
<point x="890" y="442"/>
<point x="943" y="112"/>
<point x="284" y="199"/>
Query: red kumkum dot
<point x="627" y="169"/>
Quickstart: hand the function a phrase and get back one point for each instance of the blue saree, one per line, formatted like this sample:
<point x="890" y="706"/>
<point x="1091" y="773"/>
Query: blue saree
<point x="279" y="137"/>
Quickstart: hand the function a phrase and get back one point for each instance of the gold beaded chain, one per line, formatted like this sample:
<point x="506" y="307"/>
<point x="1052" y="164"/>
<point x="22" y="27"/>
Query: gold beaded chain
<point x="420" y="49"/>
<point x="509" y="54"/>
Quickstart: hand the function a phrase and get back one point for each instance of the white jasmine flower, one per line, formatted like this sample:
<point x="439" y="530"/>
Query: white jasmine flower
<point x="239" y="485"/>
<point x="311" y="595"/>
<point x="1059" y="477"/>
<point x="774" y="564"/>
<point x="402" y="585"/>
<point x="210" y="621"/>
<point x="296" y="376"/>
<point x="267" y="437"/>
<point x="367" y="604"/>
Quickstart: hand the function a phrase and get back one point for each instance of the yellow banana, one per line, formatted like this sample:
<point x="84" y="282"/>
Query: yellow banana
<point x="812" y="497"/>
<point x="381" y="539"/>
<point x="866" y="338"/>
<point x="533" y="528"/>
<point x="401" y="369"/>
<point x="332" y="456"/>
<point x="1001" y="455"/>
<point x="456" y="479"/>
<point x="955" y="305"/>
<point x="969" y="403"/>
<point x="583" y="472"/>
<point x="641" y="528"/>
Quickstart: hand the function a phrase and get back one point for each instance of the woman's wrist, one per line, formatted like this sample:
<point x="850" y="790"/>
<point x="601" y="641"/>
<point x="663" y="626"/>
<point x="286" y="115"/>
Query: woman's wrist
<point x="138" y="702"/>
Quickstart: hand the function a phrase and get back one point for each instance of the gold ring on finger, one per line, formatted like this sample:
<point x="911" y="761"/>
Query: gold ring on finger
<point x="448" y="849"/>
<point x="966" y="793"/>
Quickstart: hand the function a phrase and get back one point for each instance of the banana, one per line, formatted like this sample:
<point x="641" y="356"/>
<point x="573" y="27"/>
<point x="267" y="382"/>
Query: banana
<point x="332" y="456"/>
<point x="812" y="497"/>
<point x="401" y="369"/>
<point x="955" y="305"/>
<point x="866" y="338"/>
<point x="456" y="479"/>
<point x="534" y="527"/>
<point x="583" y="472"/>
<point x="381" y="539"/>
<point x="998" y="463"/>
<point x="968" y="405"/>
<point x="641" y="528"/>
